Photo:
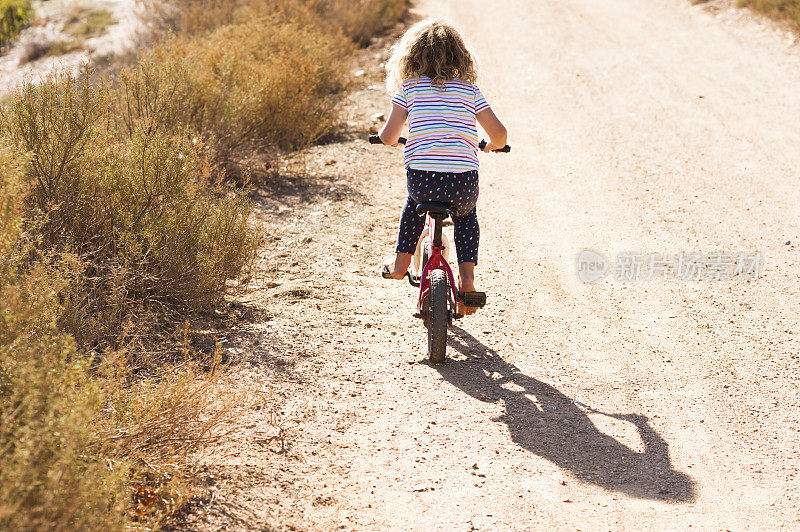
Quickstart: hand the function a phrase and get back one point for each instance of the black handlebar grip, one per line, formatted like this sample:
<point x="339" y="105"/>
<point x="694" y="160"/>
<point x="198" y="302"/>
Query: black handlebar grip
<point x="504" y="149"/>
<point x="375" y="139"/>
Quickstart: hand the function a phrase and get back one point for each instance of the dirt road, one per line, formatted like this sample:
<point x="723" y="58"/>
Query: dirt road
<point x="643" y="126"/>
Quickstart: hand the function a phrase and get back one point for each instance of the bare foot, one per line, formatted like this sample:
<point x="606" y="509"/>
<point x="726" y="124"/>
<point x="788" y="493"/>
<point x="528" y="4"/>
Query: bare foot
<point x="398" y="266"/>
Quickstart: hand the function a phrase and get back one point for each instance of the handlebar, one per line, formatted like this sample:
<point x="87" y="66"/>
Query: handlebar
<point x="375" y="139"/>
<point x="504" y="149"/>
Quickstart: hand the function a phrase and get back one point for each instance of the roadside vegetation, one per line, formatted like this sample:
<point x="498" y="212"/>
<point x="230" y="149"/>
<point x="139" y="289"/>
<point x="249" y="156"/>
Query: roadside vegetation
<point x="81" y="24"/>
<point x="785" y="10"/>
<point x="14" y="15"/>
<point x="85" y="23"/>
<point x="119" y="226"/>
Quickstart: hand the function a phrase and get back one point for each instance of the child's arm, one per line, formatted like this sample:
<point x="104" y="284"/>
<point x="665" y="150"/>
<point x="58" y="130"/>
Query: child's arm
<point x="494" y="128"/>
<point x="391" y="130"/>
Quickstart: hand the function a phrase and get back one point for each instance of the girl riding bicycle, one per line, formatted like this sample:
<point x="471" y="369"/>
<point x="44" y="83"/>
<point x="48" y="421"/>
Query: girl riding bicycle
<point x="431" y="75"/>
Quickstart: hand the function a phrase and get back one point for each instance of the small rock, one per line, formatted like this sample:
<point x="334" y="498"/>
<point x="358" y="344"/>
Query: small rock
<point x="788" y="243"/>
<point x="359" y="73"/>
<point x="378" y="117"/>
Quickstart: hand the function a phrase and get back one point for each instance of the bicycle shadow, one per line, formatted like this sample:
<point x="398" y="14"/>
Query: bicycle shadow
<point x="555" y="427"/>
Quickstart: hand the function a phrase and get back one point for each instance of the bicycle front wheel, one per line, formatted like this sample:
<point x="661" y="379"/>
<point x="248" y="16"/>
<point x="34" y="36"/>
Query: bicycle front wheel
<point x="437" y="326"/>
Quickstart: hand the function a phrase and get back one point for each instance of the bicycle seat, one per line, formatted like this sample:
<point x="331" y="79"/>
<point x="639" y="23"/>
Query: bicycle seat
<point x="434" y="209"/>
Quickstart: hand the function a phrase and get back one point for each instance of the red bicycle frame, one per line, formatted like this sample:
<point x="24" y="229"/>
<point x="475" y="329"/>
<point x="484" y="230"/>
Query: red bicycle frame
<point x="435" y="261"/>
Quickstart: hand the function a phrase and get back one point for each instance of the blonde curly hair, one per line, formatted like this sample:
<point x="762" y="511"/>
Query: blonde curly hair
<point x="432" y="48"/>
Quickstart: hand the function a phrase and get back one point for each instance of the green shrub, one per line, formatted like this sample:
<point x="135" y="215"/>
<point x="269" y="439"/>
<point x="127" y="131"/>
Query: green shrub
<point x="14" y="15"/>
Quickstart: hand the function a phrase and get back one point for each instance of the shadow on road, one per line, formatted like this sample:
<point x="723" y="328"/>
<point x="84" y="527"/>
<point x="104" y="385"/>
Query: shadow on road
<point x="548" y="423"/>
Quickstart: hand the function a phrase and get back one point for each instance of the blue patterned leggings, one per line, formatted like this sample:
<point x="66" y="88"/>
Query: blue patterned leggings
<point x="460" y="191"/>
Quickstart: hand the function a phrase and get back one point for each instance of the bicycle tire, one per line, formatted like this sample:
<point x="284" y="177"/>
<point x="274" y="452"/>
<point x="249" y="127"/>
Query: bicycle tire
<point x="437" y="327"/>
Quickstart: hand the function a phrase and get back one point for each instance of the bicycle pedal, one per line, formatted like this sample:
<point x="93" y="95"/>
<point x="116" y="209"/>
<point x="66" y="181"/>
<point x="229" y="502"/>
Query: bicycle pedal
<point x="457" y="316"/>
<point x="473" y="299"/>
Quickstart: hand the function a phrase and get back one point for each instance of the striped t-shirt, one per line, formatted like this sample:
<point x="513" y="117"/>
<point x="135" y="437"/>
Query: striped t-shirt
<point x="441" y="123"/>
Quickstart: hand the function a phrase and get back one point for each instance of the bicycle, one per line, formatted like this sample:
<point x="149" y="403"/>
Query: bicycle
<point x="438" y="292"/>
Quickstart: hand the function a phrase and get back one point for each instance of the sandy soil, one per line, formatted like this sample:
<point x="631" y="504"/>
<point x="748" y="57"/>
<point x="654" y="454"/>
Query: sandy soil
<point x="664" y="404"/>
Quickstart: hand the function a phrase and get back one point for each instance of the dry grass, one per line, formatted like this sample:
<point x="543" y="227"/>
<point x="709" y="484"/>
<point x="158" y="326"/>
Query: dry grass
<point x="75" y="442"/>
<point x="37" y="49"/>
<point x="105" y="234"/>
<point x="116" y="225"/>
<point x="358" y="20"/>
<point x="127" y="211"/>
<point x="259" y="73"/>
<point x="51" y="478"/>
<point x="242" y="85"/>
<point x="160" y="425"/>
<point x="79" y="250"/>
<point x="784" y="10"/>
<point x="85" y="23"/>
